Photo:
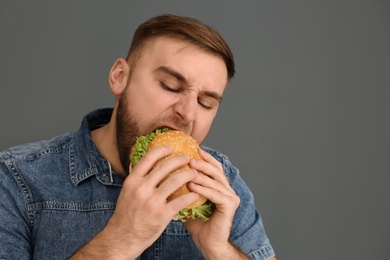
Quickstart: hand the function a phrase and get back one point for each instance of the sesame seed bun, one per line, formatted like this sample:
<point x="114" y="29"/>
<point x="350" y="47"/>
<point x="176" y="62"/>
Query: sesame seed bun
<point x="182" y="144"/>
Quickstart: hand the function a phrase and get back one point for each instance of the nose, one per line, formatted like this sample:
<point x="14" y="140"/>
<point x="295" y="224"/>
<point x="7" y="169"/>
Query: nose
<point x="186" y="108"/>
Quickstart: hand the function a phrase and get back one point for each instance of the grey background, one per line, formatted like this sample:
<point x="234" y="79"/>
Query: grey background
<point x="306" y="118"/>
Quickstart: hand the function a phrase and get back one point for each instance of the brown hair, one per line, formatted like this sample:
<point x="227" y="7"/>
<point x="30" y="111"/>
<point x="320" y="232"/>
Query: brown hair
<point x="185" y="28"/>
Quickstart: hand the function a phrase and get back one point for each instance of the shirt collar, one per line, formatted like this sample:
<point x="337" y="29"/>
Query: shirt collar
<point x="85" y="160"/>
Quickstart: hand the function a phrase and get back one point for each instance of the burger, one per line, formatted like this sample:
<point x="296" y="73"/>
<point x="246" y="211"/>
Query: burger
<point x="182" y="144"/>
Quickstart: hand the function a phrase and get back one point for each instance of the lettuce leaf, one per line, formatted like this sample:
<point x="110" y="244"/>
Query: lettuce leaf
<point x="142" y="143"/>
<point x="203" y="212"/>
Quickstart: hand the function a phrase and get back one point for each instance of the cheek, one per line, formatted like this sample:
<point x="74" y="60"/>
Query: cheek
<point x="155" y="104"/>
<point x="202" y="126"/>
<point x="149" y="108"/>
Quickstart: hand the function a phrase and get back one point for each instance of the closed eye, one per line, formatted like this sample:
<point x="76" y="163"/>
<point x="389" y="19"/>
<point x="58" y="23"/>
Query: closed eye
<point x="203" y="102"/>
<point x="205" y="105"/>
<point x="168" y="88"/>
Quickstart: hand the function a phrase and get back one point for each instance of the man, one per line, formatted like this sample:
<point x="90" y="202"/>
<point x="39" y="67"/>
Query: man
<point x="73" y="196"/>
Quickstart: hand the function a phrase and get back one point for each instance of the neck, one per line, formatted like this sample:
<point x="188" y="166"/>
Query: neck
<point x="105" y="141"/>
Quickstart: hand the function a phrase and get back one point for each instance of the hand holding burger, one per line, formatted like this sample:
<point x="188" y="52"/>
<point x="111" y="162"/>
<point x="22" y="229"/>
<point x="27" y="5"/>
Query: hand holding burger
<point x="209" y="234"/>
<point x="182" y="144"/>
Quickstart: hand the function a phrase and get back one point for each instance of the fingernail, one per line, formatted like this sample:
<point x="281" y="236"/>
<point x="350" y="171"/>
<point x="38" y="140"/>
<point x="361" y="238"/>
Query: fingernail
<point x="193" y="161"/>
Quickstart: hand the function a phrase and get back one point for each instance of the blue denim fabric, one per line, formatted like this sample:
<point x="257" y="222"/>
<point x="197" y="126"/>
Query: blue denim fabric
<point x="57" y="194"/>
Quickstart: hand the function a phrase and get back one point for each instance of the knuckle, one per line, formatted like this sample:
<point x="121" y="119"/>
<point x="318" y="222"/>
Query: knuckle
<point x="139" y="194"/>
<point x="173" y="181"/>
<point x="148" y="158"/>
<point x="153" y="155"/>
<point x="176" y="180"/>
<point x="220" y="166"/>
<point x="182" y="201"/>
<point x="237" y="200"/>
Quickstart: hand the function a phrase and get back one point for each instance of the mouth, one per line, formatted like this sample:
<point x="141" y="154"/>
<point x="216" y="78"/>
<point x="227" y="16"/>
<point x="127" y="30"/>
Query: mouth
<point x="165" y="126"/>
<point x="173" y="127"/>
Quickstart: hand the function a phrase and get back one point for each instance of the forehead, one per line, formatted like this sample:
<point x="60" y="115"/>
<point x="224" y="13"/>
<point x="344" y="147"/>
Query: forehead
<point x="194" y="63"/>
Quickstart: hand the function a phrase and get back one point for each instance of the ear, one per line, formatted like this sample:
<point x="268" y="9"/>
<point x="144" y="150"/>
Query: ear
<point x="118" y="76"/>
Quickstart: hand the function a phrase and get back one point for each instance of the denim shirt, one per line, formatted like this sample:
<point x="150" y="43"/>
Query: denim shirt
<point x="58" y="194"/>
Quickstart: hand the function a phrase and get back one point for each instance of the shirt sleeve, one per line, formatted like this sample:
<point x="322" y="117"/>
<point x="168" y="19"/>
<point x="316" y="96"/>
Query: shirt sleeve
<point x="14" y="224"/>
<point x="248" y="231"/>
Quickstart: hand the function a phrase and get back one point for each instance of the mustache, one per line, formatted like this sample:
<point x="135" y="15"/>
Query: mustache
<point x="175" y="122"/>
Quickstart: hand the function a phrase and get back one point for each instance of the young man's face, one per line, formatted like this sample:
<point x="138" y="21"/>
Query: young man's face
<point x="175" y="84"/>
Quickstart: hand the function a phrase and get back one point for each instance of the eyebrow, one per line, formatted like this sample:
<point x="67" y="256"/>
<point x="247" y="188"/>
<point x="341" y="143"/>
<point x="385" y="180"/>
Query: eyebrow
<point x="172" y="72"/>
<point x="180" y="77"/>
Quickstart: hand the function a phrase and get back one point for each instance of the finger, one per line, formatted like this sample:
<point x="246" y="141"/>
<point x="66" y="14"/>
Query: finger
<point x="210" y="159"/>
<point x="183" y="201"/>
<point x="217" y="196"/>
<point x="210" y="170"/>
<point x="175" y="181"/>
<point x="146" y="163"/>
<point x="163" y="168"/>
<point x="207" y="182"/>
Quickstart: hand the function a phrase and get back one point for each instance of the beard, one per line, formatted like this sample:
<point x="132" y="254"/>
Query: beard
<point x="127" y="132"/>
